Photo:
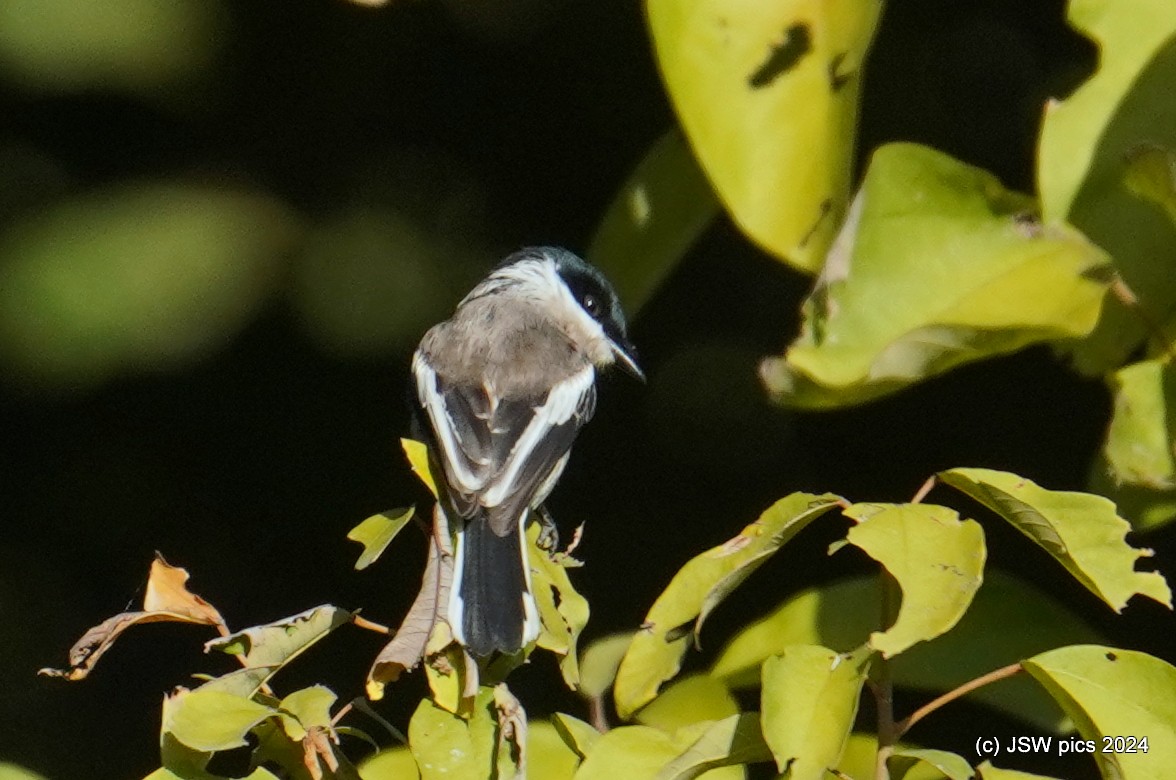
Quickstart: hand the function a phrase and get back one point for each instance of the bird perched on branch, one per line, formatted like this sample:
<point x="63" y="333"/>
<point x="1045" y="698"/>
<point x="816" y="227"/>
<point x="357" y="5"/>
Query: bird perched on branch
<point x="505" y="385"/>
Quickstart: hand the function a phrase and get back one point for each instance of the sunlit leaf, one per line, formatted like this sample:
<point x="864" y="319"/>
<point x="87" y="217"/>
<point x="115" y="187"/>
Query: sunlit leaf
<point x="915" y="764"/>
<point x="937" y="559"/>
<point x="305" y="708"/>
<point x="656" y="652"/>
<point x="631" y="752"/>
<point x="563" y="612"/>
<point x="165" y="600"/>
<point x="548" y="756"/>
<point x="13" y="772"/>
<point x="261" y="773"/>
<point x="212" y="720"/>
<point x="273" y="645"/>
<point x="987" y="771"/>
<point x="579" y="736"/>
<point x="1082" y="531"/>
<point x="377" y="532"/>
<point x="689" y="700"/>
<point x="418" y="457"/>
<point x="599" y="663"/>
<point x="448" y="746"/>
<point x="1137" y="465"/>
<point x="1109" y="692"/>
<point x="658" y="214"/>
<point x="809" y="701"/>
<point x="393" y="764"/>
<point x="727" y="743"/>
<point x="943" y="267"/>
<point x="140" y="277"/>
<point x="768" y="96"/>
<point x="1086" y="147"/>
<point x="1009" y="620"/>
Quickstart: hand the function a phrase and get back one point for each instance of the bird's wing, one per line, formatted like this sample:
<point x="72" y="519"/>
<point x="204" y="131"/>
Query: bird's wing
<point x="498" y="453"/>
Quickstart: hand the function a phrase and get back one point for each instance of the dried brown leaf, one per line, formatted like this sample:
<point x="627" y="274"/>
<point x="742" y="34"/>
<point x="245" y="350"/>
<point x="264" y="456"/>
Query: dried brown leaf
<point x="411" y="640"/>
<point x="167" y="599"/>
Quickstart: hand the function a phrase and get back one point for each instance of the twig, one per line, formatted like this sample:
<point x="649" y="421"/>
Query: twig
<point x="922" y="492"/>
<point x="362" y="622"/>
<point x="1126" y="296"/>
<point x="360" y="704"/>
<point x="903" y="726"/>
<point x="597" y="715"/>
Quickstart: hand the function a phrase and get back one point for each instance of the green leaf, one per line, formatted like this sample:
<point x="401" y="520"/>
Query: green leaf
<point x="1009" y="620"/>
<point x="937" y="560"/>
<point x="212" y="720"/>
<point x="687" y="701"/>
<point x="631" y="752"/>
<point x="1087" y="143"/>
<point x="163" y="773"/>
<point x="548" y="756"/>
<point x="1080" y="530"/>
<point x="418" y="457"/>
<point x="14" y="772"/>
<point x="446" y="745"/>
<point x="938" y="265"/>
<point x="1137" y="468"/>
<point x="81" y="282"/>
<point x="659" y="213"/>
<point x="988" y="772"/>
<point x="576" y="734"/>
<point x="563" y="612"/>
<point x="656" y="652"/>
<point x="1151" y="175"/>
<point x="393" y="764"/>
<point x="914" y="764"/>
<point x="768" y="96"/>
<point x="730" y="742"/>
<point x="1109" y="692"/>
<point x="598" y="667"/>
<point x="809" y="701"/>
<point x="377" y="532"/>
<point x="305" y="708"/>
<point x="273" y="645"/>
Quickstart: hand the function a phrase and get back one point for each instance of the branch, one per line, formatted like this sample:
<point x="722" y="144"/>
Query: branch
<point x="903" y="726"/>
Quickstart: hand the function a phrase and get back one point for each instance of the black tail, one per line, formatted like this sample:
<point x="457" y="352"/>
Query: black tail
<point x="492" y="595"/>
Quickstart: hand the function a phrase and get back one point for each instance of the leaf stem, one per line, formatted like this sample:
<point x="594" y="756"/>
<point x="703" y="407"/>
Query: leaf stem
<point x="922" y="492"/>
<point x="903" y="726"/>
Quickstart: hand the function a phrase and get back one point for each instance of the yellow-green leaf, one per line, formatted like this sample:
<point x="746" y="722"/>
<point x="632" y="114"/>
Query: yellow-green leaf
<point x="273" y="645"/>
<point x="1116" y="693"/>
<point x="915" y="764"/>
<point x="937" y="560"/>
<point x="656" y="652"/>
<point x="1137" y="468"/>
<point x="1082" y="531"/>
<point x="418" y="457"/>
<point x="305" y="708"/>
<point x="1008" y="620"/>
<point x="449" y="746"/>
<point x="548" y="756"/>
<point x="938" y="265"/>
<point x="809" y="701"/>
<point x="212" y="720"/>
<point x="579" y="736"/>
<point x="687" y="701"/>
<point x="563" y="612"/>
<point x="1086" y="147"/>
<point x="987" y="771"/>
<point x="1151" y="175"/>
<point x="655" y="218"/>
<point x="727" y="743"/>
<point x="393" y="764"/>
<point x="768" y="96"/>
<point x="598" y="667"/>
<point x="631" y="752"/>
<point x="377" y="532"/>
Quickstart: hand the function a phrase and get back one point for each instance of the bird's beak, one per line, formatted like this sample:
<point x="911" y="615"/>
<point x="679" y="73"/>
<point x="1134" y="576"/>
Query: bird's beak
<point x="626" y="356"/>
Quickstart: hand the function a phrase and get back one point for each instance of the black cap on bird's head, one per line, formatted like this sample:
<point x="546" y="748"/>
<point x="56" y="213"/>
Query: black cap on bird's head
<point x="593" y="293"/>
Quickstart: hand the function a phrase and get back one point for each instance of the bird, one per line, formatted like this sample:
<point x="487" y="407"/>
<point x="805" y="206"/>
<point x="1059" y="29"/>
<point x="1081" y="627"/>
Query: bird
<point x="502" y="389"/>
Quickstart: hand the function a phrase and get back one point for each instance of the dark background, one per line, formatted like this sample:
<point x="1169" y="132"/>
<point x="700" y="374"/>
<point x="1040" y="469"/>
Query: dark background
<point x="497" y="129"/>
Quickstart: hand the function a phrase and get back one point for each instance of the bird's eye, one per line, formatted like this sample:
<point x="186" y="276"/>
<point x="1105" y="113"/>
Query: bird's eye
<point x="591" y="304"/>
